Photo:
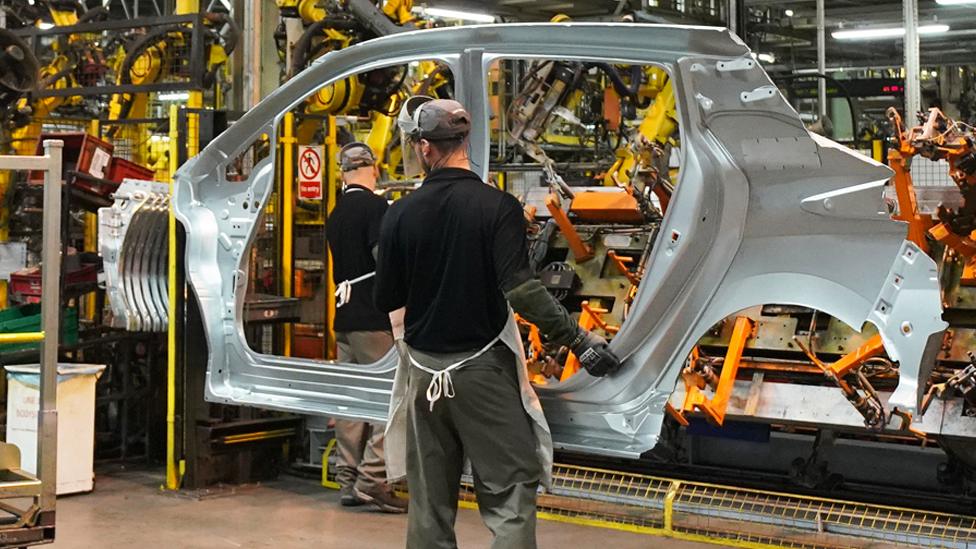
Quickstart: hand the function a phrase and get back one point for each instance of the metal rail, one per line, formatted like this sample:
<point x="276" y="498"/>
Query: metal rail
<point x="730" y="516"/>
<point x="738" y="517"/>
<point x="35" y="524"/>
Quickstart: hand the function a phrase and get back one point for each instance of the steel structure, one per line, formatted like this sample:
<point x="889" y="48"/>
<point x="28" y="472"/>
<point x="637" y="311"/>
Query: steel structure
<point x="35" y="524"/>
<point x="764" y="212"/>
<point x="196" y="54"/>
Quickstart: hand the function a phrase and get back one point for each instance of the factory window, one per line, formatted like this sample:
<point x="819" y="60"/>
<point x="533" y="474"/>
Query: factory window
<point x="591" y="150"/>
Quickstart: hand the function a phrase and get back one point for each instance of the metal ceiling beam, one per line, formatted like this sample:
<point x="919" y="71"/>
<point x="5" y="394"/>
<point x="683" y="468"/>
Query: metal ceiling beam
<point x="954" y="58"/>
<point x="884" y="14"/>
<point x="821" y="63"/>
<point x="807" y="41"/>
<point x="913" y="92"/>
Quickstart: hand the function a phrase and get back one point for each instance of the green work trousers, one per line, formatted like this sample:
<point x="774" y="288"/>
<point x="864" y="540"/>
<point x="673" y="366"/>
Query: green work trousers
<point x="486" y="423"/>
<point x="359" y="445"/>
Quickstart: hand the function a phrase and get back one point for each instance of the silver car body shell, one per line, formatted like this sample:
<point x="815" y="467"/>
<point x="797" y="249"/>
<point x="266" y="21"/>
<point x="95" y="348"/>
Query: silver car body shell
<point x="764" y="212"/>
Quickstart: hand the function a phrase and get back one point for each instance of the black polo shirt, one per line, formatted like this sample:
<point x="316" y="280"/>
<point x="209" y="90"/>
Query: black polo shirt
<point x="447" y="252"/>
<point x="353" y="230"/>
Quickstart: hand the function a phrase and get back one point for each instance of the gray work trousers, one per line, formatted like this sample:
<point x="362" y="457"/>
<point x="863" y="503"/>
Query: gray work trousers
<point x="486" y="422"/>
<point x="359" y="445"/>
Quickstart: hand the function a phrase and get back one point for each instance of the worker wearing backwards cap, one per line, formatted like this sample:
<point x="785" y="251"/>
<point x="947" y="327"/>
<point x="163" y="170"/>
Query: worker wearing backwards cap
<point x="363" y="333"/>
<point x="454" y="253"/>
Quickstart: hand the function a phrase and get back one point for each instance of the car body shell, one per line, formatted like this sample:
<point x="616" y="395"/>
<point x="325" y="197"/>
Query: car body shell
<point x="764" y="212"/>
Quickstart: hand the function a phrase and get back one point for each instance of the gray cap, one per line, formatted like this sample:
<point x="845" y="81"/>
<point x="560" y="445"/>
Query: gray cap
<point x="423" y="117"/>
<point x="356" y="155"/>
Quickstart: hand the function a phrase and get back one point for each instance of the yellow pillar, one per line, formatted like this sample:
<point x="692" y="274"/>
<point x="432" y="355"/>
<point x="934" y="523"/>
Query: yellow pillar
<point x="5" y="178"/>
<point x="184" y="7"/>
<point x="91" y="245"/>
<point x="172" y="471"/>
<point x="876" y="150"/>
<point x="194" y="102"/>
<point x="331" y="153"/>
<point x="173" y="466"/>
<point x="91" y="235"/>
<point x="287" y="141"/>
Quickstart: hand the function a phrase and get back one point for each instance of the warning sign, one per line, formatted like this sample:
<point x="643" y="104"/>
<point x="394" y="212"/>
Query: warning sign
<point x="310" y="172"/>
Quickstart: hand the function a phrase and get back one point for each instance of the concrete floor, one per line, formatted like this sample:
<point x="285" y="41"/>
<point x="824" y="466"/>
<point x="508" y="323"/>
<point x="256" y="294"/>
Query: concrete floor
<point x="128" y="510"/>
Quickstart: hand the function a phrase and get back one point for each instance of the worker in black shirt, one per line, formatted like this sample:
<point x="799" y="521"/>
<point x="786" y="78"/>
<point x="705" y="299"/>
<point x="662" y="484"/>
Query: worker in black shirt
<point x="454" y="253"/>
<point x="362" y="331"/>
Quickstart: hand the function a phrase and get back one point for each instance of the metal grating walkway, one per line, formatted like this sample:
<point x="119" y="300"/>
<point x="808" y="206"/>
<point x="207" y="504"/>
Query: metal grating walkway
<point x="739" y="517"/>
<point x="730" y="516"/>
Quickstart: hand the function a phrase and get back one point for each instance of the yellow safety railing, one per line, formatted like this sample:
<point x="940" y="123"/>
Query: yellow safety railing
<point x="736" y="517"/>
<point x="21" y="337"/>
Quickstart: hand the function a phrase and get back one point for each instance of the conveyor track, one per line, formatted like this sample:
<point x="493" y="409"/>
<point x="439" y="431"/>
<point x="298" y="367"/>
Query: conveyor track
<point x="739" y="517"/>
<point x="731" y="516"/>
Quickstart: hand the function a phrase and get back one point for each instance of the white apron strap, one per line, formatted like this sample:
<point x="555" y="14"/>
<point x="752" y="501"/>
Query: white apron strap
<point x="441" y="384"/>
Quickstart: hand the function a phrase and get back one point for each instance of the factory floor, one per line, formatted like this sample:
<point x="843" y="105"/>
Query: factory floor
<point x="127" y="509"/>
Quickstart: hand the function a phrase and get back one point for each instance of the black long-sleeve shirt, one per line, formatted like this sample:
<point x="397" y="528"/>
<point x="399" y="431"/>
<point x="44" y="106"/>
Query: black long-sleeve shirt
<point x="447" y="252"/>
<point x="353" y="230"/>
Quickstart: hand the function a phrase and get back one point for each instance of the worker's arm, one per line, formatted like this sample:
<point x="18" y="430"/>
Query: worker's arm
<point x="530" y="299"/>
<point x="389" y="291"/>
<point x="396" y="322"/>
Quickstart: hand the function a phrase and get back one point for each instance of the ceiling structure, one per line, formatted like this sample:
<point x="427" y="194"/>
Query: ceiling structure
<point x="771" y="29"/>
<point x="785" y="29"/>
<point x="792" y="39"/>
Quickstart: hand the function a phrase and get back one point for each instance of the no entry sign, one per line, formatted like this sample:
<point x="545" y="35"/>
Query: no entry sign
<point x="310" y="172"/>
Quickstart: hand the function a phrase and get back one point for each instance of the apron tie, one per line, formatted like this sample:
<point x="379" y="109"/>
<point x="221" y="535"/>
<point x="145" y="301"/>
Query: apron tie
<point x="441" y="383"/>
<point x="344" y="289"/>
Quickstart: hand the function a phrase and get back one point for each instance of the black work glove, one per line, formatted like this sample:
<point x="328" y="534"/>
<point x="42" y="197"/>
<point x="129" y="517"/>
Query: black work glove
<point x="593" y="354"/>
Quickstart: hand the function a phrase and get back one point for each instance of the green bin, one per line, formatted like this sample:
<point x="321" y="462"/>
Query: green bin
<point x="27" y="318"/>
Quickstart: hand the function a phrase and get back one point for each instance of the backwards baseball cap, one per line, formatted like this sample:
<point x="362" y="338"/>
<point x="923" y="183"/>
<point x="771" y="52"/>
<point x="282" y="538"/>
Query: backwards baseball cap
<point x="423" y="117"/>
<point x="356" y="155"/>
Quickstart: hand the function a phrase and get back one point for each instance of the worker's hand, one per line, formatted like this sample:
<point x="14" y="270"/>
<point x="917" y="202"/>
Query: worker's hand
<point x="593" y="354"/>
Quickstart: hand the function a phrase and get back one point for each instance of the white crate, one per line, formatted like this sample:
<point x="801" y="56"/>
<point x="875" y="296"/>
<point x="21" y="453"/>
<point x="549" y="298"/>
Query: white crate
<point x="76" y="421"/>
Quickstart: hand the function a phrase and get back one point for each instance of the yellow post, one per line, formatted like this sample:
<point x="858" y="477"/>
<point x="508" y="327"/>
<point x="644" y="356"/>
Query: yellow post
<point x="172" y="475"/>
<point x="876" y="150"/>
<point x="184" y="7"/>
<point x="91" y="245"/>
<point x="5" y="178"/>
<point x="195" y="101"/>
<point x="91" y="234"/>
<point x="287" y="141"/>
<point x="669" y="505"/>
<point x="172" y="471"/>
<point x="331" y="152"/>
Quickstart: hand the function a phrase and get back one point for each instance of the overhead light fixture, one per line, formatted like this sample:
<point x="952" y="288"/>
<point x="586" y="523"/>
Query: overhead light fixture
<point x="766" y="57"/>
<point x="954" y="2"/>
<point x="445" y="13"/>
<point x="44" y="25"/>
<point x="887" y="32"/>
<point x="789" y="13"/>
<point x="173" y="96"/>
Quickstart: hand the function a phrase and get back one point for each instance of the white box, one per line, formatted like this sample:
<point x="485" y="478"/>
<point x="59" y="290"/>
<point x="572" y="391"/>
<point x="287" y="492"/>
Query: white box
<point x="76" y="421"/>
